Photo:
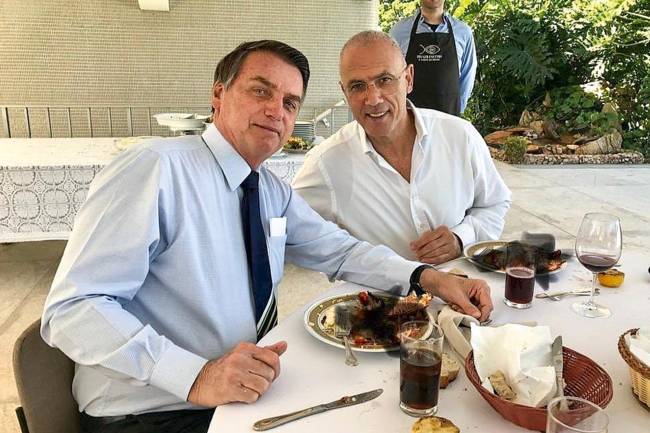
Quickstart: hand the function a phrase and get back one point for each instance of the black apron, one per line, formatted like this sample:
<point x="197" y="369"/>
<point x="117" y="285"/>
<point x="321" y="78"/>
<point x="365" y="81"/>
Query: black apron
<point x="436" y="81"/>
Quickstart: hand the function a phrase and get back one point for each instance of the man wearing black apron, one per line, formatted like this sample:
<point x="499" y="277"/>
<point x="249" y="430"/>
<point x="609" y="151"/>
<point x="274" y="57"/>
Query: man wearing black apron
<point x="441" y="50"/>
<point x="435" y="62"/>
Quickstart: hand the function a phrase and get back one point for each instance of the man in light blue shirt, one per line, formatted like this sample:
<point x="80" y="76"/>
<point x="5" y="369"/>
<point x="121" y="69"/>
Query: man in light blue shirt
<point x="153" y="298"/>
<point x="441" y="49"/>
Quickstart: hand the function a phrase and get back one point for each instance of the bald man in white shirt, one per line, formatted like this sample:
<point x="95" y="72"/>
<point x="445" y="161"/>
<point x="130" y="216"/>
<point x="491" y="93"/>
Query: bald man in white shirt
<point x="418" y="180"/>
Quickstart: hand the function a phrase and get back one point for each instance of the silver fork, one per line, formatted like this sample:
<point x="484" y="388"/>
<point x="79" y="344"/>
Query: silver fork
<point x="343" y="325"/>
<point x="556" y="296"/>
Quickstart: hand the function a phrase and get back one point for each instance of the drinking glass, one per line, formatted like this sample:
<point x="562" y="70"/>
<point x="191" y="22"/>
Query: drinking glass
<point x="598" y="248"/>
<point x="575" y="415"/>
<point x="521" y="261"/>
<point x="420" y="367"/>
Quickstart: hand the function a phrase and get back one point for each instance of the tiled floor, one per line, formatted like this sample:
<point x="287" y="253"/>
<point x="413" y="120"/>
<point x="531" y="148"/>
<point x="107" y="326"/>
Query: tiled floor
<point x="545" y="199"/>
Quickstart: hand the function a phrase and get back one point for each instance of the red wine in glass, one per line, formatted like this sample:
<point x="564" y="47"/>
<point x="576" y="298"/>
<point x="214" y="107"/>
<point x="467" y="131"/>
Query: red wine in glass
<point x="598" y="247"/>
<point x="597" y="262"/>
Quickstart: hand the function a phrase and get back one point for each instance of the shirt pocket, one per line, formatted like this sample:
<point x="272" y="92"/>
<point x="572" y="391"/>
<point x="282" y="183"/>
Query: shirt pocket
<point x="276" y="257"/>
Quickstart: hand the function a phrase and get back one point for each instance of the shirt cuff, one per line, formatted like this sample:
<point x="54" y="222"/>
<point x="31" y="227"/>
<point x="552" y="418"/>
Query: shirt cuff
<point x="466" y="234"/>
<point x="176" y="371"/>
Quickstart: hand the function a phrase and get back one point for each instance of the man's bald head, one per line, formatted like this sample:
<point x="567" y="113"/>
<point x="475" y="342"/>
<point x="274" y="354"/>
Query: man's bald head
<point x="369" y="38"/>
<point x="375" y="81"/>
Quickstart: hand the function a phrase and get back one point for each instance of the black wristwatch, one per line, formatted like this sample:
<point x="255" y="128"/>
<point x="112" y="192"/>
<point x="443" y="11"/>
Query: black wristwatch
<point x="414" y="281"/>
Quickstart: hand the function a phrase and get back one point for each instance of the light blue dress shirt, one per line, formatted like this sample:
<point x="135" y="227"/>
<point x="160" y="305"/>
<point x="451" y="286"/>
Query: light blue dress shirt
<point x="154" y="279"/>
<point x="465" y="49"/>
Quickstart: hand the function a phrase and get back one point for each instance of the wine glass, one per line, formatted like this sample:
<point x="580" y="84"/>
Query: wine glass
<point x="575" y="415"/>
<point x="598" y="248"/>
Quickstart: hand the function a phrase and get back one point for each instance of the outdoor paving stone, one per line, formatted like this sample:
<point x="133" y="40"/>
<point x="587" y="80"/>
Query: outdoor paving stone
<point x="590" y="176"/>
<point x="25" y="313"/>
<point x="18" y="279"/>
<point x="517" y="178"/>
<point x="25" y="252"/>
<point x="8" y="418"/>
<point x="635" y="199"/>
<point x="298" y="287"/>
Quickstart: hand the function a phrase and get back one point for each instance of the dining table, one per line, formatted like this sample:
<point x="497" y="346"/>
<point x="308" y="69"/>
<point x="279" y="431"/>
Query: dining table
<point x="45" y="181"/>
<point x="313" y="372"/>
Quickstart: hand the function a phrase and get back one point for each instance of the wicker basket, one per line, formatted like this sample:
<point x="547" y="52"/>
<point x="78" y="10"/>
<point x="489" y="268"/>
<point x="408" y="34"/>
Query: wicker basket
<point x="584" y="378"/>
<point x="639" y="372"/>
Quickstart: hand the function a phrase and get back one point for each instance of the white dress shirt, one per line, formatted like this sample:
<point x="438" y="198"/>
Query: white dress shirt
<point x="453" y="182"/>
<point x="154" y="280"/>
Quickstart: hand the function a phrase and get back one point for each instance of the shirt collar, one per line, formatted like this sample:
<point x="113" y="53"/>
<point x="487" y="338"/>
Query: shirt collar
<point x="421" y="131"/>
<point x="421" y="127"/>
<point x="441" y="26"/>
<point x="234" y="167"/>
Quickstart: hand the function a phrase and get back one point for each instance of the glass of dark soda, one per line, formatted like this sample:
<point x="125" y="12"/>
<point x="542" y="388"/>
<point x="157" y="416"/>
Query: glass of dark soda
<point x="420" y="367"/>
<point x="521" y="260"/>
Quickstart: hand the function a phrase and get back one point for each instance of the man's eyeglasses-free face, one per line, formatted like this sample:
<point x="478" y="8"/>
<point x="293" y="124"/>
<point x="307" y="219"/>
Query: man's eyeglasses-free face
<point x="386" y="84"/>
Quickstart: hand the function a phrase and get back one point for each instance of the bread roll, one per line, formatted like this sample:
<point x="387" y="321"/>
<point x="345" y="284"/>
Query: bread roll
<point x="450" y="368"/>
<point x="501" y="387"/>
<point x="434" y="424"/>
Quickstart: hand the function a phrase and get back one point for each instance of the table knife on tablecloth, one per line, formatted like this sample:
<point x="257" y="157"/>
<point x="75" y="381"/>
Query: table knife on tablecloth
<point x="269" y="423"/>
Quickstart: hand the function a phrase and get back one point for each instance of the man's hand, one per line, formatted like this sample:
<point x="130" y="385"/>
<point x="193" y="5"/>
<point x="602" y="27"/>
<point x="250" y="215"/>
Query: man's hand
<point x="436" y="246"/>
<point x="243" y="374"/>
<point x="463" y="294"/>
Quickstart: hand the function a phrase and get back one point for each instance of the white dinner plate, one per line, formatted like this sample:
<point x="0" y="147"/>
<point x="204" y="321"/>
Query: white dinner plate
<point x="479" y="247"/>
<point x="317" y="315"/>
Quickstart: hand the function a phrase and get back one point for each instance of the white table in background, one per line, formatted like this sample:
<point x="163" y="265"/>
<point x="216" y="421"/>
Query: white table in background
<point x="314" y="372"/>
<point x="44" y="181"/>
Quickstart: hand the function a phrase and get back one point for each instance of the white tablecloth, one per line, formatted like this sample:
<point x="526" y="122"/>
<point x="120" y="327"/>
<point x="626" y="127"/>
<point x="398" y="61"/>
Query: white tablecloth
<point x="44" y="181"/>
<point x="314" y="372"/>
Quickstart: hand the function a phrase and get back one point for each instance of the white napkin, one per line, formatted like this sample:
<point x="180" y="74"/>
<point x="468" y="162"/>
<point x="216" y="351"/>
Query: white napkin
<point x="449" y="322"/>
<point x="639" y="344"/>
<point x="523" y="354"/>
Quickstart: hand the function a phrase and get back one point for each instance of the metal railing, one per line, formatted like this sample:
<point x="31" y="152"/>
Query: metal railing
<point x="19" y="121"/>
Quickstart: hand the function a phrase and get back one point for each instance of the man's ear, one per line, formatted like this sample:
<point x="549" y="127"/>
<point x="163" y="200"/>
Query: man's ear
<point x="217" y="95"/>
<point x="409" y="78"/>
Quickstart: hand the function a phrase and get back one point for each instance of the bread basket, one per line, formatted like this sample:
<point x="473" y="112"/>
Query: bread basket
<point x="639" y="372"/>
<point x="584" y="378"/>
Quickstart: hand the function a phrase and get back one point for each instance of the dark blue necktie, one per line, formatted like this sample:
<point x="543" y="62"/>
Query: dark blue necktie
<point x="266" y="310"/>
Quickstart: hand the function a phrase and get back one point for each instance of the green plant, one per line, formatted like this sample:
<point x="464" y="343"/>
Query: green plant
<point x="391" y="11"/>
<point x="577" y="110"/>
<point x="515" y="148"/>
<point x="526" y="48"/>
<point x="636" y="134"/>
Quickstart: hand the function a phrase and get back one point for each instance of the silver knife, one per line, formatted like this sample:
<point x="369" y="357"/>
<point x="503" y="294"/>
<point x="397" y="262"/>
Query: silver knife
<point x="269" y="423"/>
<point x="558" y="363"/>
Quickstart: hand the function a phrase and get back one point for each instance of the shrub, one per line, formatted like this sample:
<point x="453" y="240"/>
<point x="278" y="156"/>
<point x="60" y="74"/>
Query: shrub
<point x="515" y="149"/>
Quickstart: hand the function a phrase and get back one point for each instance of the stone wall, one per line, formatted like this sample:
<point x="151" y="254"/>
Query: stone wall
<point x="612" y="158"/>
<point x="109" y="52"/>
<point x="625" y="157"/>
